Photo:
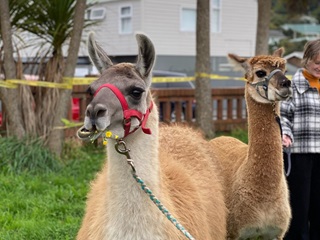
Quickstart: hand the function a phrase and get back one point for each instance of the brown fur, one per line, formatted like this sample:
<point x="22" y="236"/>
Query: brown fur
<point x="254" y="181"/>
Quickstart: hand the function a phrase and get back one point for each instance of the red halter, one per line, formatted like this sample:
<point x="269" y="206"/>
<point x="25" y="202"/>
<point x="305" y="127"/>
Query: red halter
<point x="129" y="113"/>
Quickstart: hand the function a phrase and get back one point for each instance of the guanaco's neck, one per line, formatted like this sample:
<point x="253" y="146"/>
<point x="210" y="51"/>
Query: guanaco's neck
<point x="130" y="207"/>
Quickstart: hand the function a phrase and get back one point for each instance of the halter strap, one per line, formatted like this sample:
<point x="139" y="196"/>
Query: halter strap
<point x="265" y="83"/>
<point x="127" y="112"/>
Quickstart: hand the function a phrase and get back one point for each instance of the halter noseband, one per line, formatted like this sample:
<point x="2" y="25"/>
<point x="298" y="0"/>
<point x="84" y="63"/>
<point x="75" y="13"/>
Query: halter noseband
<point x="264" y="83"/>
<point x="129" y="113"/>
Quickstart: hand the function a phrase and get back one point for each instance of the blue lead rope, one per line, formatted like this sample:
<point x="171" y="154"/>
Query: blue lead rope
<point x="161" y="207"/>
<point x="287" y="150"/>
<point x="121" y="148"/>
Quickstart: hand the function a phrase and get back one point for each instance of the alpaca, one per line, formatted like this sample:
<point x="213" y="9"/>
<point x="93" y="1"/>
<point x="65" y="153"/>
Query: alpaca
<point x="254" y="182"/>
<point x="175" y="162"/>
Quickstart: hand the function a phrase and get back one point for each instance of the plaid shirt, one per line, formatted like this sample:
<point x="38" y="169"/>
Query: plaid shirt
<point x="300" y="116"/>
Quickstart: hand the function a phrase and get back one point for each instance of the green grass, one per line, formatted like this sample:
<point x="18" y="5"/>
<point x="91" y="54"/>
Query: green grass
<point x="42" y="197"/>
<point x="48" y="204"/>
<point x="26" y="155"/>
<point x="241" y="134"/>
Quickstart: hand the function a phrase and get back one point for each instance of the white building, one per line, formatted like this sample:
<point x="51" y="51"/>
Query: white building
<point x="171" y="26"/>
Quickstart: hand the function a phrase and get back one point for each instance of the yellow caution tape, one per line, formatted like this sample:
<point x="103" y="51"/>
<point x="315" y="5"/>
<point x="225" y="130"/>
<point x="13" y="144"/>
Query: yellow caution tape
<point x="69" y="82"/>
<point x="171" y="79"/>
<point x="13" y="83"/>
<point x="40" y="83"/>
<point x="7" y="84"/>
<point x="81" y="81"/>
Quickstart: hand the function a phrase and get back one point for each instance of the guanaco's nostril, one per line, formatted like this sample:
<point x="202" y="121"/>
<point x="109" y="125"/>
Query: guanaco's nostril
<point x="96" y="111"/>
<point x="99" y="111"/>
<point x="89" y="111"/>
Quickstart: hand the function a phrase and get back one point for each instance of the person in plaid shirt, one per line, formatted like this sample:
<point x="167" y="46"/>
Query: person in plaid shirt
<point x="300" y="122"/>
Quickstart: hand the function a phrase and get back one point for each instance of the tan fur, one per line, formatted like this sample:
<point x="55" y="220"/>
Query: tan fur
<point x="175" y="162"/>
<point x="254" y="181"/>
<point x="189" y="188"/>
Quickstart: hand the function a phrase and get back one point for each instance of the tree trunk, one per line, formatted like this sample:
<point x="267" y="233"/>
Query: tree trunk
<point x="10" y="97"/>
<point x="56" y="137"/>
<point x="262" y="38"/>
<point x="203" y="87"/>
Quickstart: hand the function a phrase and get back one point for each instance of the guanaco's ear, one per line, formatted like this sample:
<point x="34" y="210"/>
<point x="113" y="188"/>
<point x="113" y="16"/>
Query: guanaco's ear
<point x="279" y="52"/>
<point x="146" y="56"/>
<point x="238" y="62"/>
<point x="97" y="55"/>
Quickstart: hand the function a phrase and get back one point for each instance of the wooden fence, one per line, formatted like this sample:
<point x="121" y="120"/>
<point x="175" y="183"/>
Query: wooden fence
<point x="178" y="105"/>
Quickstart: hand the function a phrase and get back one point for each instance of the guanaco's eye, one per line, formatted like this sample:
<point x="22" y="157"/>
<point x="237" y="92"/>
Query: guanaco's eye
<point x="136" y="93"/>
<point x="89" y="91"/>
<point x="261" y="74"/>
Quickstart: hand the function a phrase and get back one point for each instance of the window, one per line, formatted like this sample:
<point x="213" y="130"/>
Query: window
<point x="96" y="13"/>
<point x="188" y="20"/>
<point x="215" y="16"/>
<point x="125" y="19"/>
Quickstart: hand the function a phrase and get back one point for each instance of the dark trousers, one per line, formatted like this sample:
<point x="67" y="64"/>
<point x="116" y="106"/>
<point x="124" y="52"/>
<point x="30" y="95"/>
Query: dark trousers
<point x="304" y="187"/>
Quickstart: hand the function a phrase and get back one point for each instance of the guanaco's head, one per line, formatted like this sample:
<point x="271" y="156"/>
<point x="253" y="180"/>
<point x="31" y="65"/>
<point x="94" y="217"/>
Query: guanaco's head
<point x="121" y="97"/>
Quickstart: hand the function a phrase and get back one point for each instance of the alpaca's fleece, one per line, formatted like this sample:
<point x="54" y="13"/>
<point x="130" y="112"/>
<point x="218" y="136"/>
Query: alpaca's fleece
<point x="255" y="187"/>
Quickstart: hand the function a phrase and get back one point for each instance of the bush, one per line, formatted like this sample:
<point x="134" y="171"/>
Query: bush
<point x="26" y="155"/>
<point x="241" y="134"/>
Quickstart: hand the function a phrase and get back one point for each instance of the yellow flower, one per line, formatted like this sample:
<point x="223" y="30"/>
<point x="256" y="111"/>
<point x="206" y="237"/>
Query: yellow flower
<point x="105" y="142"/>
<point x="108" y="134"/>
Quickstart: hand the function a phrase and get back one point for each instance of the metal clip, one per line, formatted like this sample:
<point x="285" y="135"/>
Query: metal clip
<point x="121" y="148"/>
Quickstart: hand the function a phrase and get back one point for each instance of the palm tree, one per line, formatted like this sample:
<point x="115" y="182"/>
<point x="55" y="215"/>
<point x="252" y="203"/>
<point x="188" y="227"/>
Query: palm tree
<point x="262" y="38"/>
<point x="56" y="138"/>
<point x="294" y="8"/>
<point x="10" y="96"/>
<point x="203" y="87"/>
<point x="55" y="25"/>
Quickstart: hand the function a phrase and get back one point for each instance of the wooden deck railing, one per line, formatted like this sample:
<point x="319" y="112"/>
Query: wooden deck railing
<point x="178" y="105"/>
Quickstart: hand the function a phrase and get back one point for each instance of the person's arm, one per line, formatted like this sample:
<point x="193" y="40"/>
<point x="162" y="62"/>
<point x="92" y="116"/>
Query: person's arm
<point x="287" y="115"/>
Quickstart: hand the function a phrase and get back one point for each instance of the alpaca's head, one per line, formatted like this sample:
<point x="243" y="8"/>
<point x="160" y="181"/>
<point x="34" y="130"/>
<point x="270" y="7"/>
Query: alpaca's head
<point x="265" y="76"/>
<point x="121" y="94"/>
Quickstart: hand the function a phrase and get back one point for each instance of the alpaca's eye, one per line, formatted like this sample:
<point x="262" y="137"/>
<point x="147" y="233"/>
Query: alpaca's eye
<point x="136" y="93"/>
<point x="261" y="73"/>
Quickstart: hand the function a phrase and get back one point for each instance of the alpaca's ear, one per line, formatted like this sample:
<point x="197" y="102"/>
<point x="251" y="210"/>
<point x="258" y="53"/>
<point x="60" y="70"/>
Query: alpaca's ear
<point x="97" y="55"/>
<point x="146" y="56"/>
<point x="279" y="52"/>
<point x="238" y="62"/>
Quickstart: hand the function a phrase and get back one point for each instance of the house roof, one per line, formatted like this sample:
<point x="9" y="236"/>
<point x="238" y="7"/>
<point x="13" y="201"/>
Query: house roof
<point x="305" y="29"/>
<point x="276" y="33"/>
<point x="100" y="1"/>
<point x="293" y="61"/>
<point x="294" y="54"/>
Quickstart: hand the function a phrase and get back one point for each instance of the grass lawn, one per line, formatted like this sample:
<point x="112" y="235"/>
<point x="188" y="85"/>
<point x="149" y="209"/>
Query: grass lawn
<point x="37" y="203"/>
<point x="47" y="205"/>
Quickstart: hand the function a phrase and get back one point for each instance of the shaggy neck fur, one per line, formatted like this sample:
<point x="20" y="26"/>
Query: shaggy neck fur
<point x="265" y="148"/>
<point x="130" y="209"/>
